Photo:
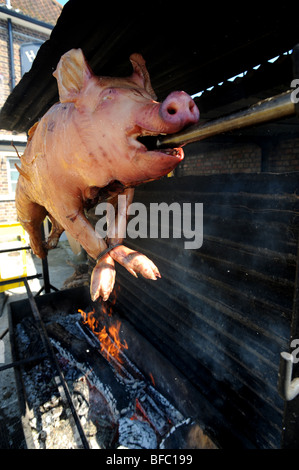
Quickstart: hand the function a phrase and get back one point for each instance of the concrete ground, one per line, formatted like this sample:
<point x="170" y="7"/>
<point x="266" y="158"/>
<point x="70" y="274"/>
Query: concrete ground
<point x="59" y="270"/>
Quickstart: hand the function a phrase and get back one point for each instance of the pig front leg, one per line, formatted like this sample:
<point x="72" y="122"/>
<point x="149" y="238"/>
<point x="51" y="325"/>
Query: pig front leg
<point x="32" y="224"/>
<point x="103" y="275"/>
<point x="55" y="233"/>
<point x="102" y="278"/>
<point x="31" y="216"/>
<point x="99" y="286"/>
<point x="133" y="261"/>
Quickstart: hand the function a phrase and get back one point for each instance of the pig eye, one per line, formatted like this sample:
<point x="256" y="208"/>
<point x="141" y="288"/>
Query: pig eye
<point x="107" y="95"/>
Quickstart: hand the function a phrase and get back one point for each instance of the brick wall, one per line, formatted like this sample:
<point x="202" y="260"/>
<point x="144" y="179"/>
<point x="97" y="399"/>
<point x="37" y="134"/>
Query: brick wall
<point x="21" y="35"/>
<point x="206" y="159"/>
<point x="284" y="156"/>
<point x="8" y="213"/>
<point x="7" y="198"/>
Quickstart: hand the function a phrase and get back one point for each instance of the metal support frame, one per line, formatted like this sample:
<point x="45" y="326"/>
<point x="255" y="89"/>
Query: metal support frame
<point x="45" y="271"/>
<point x="59" y="378"/>
<point x="50" y="354"/>
<point x="61" y="384"/>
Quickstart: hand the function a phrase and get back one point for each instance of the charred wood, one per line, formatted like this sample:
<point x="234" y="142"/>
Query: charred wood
<point x="92" y="360"/>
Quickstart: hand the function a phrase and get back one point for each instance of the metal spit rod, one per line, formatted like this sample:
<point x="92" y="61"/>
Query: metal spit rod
<point x="277" y="107"/>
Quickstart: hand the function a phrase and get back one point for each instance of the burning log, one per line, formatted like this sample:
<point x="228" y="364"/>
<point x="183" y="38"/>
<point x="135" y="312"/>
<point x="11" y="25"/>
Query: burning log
<point x="92" y="360"/>
<point x="115" y="402"/>
<point x="142" y="427"/>
<point x="109" y="345"/>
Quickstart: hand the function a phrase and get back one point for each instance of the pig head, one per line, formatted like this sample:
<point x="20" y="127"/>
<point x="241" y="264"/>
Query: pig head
<point x="89" y="146"/>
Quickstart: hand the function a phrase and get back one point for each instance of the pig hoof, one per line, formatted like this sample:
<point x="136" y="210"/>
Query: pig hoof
<point x="38" y="249"/>
<point x="102" y="279"/>
<point x="51" y="243"/>
<point x="135" y="262"/>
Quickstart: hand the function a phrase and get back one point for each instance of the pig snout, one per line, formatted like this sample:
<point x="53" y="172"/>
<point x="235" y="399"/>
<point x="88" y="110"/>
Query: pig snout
<point x="179" y="110"/>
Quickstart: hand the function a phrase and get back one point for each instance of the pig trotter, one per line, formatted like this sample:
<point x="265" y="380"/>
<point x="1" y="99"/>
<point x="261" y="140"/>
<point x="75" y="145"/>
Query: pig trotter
<point x="54" y="236"/>
<point x="102" y="278"/>
<point x="135" y="262"/>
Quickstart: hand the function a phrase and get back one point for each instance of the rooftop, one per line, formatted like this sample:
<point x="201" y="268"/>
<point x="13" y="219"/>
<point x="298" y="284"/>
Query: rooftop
<point x="197" y="50"/>
<point x="46" y="11"/>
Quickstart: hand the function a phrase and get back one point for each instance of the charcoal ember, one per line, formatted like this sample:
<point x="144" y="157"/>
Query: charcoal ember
<point x="28" y="339"/>
<point x="150" y="411"/>
<point x="42" y="436"/>
<point x="92" y="407"/>
<point x="135" y="434"/>
<point x="105" y="400"/>
<point x="80" y="395"/>
<point x="40" y="384"/>
<point x="50" y="426"/>
<point x="51" y="417"/>
<point x="53" y="402"/>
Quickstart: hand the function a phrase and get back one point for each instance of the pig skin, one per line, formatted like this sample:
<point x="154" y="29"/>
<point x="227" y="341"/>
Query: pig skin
<point x="84" y="149"/>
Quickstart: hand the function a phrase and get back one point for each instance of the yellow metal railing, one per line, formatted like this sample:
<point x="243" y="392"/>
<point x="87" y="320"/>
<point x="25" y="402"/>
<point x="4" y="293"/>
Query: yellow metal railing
<point x="13" y="263"/>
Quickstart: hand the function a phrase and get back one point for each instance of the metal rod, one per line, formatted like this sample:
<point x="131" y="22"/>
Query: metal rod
<point x="11" y="54"/>
<point x="277" y="107"/>
<point x="23" y="361"/>
<point x="8" y="250"/>
<point x="20" y="279"/>
<point x="45" y="267"/>
<point x="4" y="333"/>
<point x="60" y="381"/>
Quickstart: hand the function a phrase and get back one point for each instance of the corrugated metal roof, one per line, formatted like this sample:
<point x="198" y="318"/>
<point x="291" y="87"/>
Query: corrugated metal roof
<point x="190" y="48"/>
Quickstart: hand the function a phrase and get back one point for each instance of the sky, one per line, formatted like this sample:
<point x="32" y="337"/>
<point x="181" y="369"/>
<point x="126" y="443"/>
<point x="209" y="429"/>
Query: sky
<point x="62" y="2"/>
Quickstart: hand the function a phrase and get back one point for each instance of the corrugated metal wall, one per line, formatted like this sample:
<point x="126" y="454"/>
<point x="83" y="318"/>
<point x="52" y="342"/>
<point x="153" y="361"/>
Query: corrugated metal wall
<point x="221" y="314"/>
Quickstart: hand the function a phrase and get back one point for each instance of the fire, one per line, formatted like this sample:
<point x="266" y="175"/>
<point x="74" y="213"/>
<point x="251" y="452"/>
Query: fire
<point x="111" y="346"/>
<point x="152" y="379"/>
<point x="110" y="343"/>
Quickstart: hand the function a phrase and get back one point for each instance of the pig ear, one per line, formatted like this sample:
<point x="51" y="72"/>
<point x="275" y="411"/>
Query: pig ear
<point x="72" y="73"/>
<point x="141" y="75"/>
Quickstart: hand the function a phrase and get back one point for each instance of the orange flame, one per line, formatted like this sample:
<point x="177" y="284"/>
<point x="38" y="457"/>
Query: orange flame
<point x="110" y="343"/>
<point x="152" y="379"/>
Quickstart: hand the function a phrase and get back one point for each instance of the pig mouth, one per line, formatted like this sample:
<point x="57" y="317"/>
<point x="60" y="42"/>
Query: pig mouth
<point x="149" y="144"/>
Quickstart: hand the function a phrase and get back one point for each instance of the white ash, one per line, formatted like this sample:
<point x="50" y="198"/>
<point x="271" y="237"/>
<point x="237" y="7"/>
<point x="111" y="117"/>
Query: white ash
<point x="172" y="430"/>
<point x="92" y="378"/>
<point x="105" y="426"/>
<point x="134" y="434"/>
